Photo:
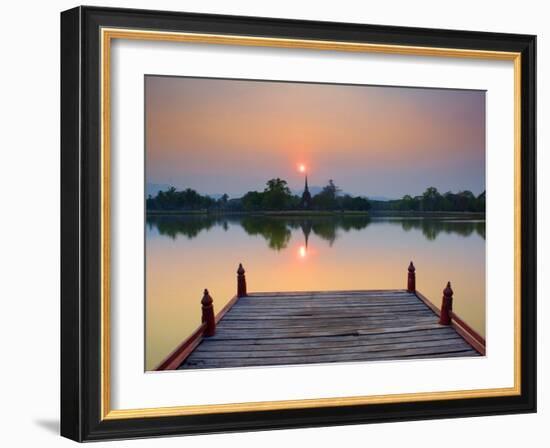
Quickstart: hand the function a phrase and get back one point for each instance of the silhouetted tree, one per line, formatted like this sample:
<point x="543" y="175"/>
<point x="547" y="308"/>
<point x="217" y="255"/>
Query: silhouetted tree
<point x="172" y="199"/>
<point x="277" y="195"/>
<point x="326" y="198"/>
<point x="252" y="201"/>
<point x="432" y="200"/>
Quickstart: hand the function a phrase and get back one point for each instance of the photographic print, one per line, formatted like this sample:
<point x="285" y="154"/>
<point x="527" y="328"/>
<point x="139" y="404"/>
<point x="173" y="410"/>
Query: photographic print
<point x="297" y="223"/>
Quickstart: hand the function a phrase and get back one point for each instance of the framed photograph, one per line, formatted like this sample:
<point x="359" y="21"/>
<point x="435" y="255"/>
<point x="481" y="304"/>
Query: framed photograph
<point x="276" y="224"/>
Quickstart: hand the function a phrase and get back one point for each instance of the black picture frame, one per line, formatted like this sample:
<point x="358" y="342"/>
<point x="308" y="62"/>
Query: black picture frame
<point x="81" y="218"/>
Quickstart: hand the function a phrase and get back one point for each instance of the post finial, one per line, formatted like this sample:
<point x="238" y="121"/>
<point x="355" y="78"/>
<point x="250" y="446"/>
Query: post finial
<point x="411" y="280"/>
<point x="206" y="299"/>
<point x="241" y="282"/>
<point x="446" y="305"/>
<point x="208" y="317"/>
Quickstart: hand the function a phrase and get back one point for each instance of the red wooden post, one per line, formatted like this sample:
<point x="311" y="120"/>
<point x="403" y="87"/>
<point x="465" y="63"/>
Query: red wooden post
<point x="411" y="283"/>
<point x="446" y="305"/>
<point x="208" y="314"/>
<point x="241" y="282"/>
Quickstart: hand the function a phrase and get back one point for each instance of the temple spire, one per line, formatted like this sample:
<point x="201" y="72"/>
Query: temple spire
<point x="306" y="196"/>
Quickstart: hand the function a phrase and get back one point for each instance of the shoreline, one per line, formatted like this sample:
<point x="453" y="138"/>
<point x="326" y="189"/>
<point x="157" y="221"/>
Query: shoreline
<point x="257" y="213"/>
<point x="371" y="213"/>
<point x="427" y="214"/>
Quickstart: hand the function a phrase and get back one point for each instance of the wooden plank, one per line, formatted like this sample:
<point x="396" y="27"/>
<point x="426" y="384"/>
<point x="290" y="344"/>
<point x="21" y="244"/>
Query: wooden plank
<point x="390" y="354"/>
<point x="201" y="353"/>
<point x="329" y="306"/>
<point x="468" y="353"/>
<point x="363" y="296"/>
<point x="460" y="354"/>
<point x="326" y="299"/>
<point x="236" y="334"/>
<point x="332" y="305"/>
<point x="360" y="322"/>
<point x="325" y="293"/>
<point x="343" y="310"/>
<point x="310" y="321"/>
<point x="328" y="303"/>
<point x="319" y="322"/>
<point x="329" y="299"/>
<point x="334" y="314"/>
<point x="443" y="331"/>
<point x="332" y="309"/>
<point x="348" y="357"/>
<point x="356" y="341"/>
<point x="319" y="318"/>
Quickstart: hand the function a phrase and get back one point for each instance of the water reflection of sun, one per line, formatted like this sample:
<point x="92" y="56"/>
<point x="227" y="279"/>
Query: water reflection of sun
<point x="304" y="252"/>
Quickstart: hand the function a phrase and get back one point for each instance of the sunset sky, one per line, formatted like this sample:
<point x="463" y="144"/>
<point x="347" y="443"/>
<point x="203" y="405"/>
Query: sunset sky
<point x="227" y="136"/>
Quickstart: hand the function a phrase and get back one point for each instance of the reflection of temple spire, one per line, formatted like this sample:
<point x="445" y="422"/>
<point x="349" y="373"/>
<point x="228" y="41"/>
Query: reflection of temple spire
<point x="306" y="229"/>
<point x="306" y="196"/>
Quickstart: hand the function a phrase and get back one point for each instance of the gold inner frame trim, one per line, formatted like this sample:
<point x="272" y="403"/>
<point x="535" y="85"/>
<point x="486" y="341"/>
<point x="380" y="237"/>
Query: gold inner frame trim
<point x="107" y="35"/>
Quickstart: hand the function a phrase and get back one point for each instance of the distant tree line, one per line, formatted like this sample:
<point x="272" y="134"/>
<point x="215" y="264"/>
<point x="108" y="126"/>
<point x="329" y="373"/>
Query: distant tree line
<point x="172" y="199"/>
<point x="432" y="200"/>
<point x="276" y="196"/>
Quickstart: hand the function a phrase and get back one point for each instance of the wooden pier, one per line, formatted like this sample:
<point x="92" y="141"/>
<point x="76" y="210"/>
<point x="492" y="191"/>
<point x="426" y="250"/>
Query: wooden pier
<point x="284" y="328"/>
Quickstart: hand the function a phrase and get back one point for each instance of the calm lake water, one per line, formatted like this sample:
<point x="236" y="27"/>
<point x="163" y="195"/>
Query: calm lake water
<point x="185" y="254"/>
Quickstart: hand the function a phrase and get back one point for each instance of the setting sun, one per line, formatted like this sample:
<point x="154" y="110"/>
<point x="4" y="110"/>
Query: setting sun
<point x="302" y="168"/>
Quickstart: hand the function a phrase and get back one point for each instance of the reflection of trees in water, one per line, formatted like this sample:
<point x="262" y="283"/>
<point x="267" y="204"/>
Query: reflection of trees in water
<point x="431" y="228"/>
<point x="325" y="227"/>
<point x="189" y="226"/>
<point x="480" y="229"/>
<point x="326" y="230"/>
<point x="276" y="230"/>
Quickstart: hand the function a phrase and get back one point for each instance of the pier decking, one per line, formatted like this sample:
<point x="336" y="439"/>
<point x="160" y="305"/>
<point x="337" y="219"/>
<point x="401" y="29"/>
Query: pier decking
<point x="284" y="328"/>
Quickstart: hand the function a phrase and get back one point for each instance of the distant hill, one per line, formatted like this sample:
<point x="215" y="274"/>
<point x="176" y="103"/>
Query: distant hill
<point x="380" y="198"/>
<point x="315" y="190"/>
<point x="215" y="196"/>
